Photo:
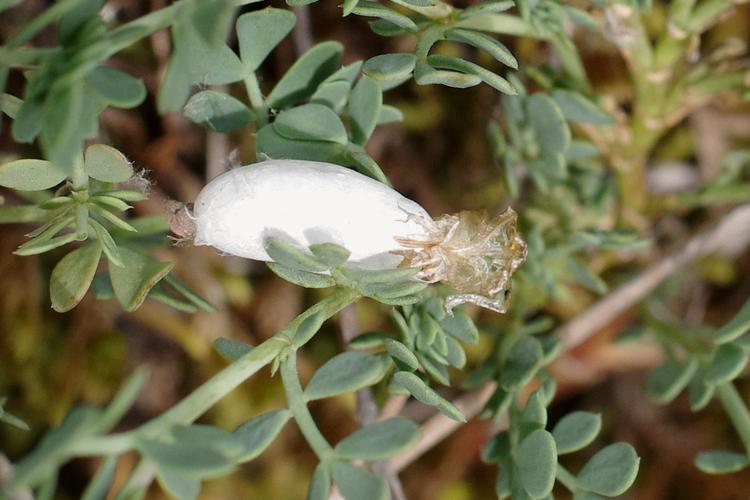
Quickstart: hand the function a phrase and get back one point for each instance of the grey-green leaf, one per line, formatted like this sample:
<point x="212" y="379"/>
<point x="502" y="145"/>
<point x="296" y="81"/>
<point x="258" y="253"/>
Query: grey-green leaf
<point x="306" y="73"/>
<point x="72" y="277"/>
<point x="259" y="32"/>
<point x="31" y="175"/>
<point x="302" y="278"/>
<point x="486" y="43"/>
<point x="364" y="109"/>
<point x="380" y="440"/>
<point x="116" y="87"/>
<point x="457" y="64"/>
<point x="721" y="462"/>
<point x="424" y="74"/>
<point x="417" y="388"/>
<point x="736" y="327"/>
<point x="217" y="111"/>
<point x="548" y="123"/>
<point x="330" y="253"/>
<point x="390" y="67"/>
<point x="290" y="256"/>
<point x="105" y="163"/>
<point x="314" y="122"/>
<point x="667" y="380"/>
<point x="357" y="484"/>
<point x="256" y="434"/>
<point x="99" y="486"/>
<point x="399" y="351"/>
<point x="577" y="108"/>
<point x="611" y="471"/>
<point x="231" y="349"/>
<point x="522" y="363"/>
<point x="138" y="274"/>
<point x="320" y="484"/>
<point x="461" y="327"/>
<point x="180" y="485"/>
<point x="536" y="463"/>
<point x="374" y="9"/>
<point x="576" y="430"/>
<point x="346" y="372"/>
<point x="727" y="364"/>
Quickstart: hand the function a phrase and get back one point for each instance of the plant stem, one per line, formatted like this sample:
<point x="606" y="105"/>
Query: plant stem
<point x="737" y="411"/>
<point x="566" y="478"/>
<point x="298" y="407"/>
<point x="256" y="99"/>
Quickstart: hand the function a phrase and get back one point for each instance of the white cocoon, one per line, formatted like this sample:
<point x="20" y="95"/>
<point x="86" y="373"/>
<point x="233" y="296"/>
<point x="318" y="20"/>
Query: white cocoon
<point x="305" y="202"/>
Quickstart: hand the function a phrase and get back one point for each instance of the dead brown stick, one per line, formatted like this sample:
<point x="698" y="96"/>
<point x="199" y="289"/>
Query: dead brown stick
<point x="730" y="235"/>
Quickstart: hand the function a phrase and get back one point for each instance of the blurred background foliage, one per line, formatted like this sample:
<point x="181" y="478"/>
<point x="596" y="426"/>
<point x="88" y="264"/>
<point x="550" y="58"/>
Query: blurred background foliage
<point x="456" y="149"/>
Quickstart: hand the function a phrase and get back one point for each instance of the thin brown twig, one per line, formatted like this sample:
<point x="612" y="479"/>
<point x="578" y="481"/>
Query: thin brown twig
<point x="730" y="235"/>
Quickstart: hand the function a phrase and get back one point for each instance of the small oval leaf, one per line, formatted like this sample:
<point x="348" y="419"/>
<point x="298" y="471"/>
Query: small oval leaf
<point x="380" y="440"/>
<point x="611" y="471"/>
<point x="346" y="372"/>
<point x="536" y="463"/>
<point x="576" y="430"/>
<point x="105" y="163"/>
<point x="72" y="277"/>
<point x="31" y="175"/>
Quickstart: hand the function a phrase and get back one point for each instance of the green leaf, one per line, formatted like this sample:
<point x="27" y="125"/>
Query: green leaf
<point x="391" y="276"/>
<point x="727" y="364"/>
<point x="290" y="256"/>
<point x="611" y="471"/>
<point x="667" y="380"/>
<point x="380" y="440"/>
<point x="320" y="484"/>
<point x="346" y="372"/>
<point x="364" y="109"/>
<point x="314" y="122"/>
<point x="389" y="114"/>
<point x="273" y="145"/>
<point x="123" y="400"/>
<point x="217" y="111"/>
<point x="534" y="415"/>
<point x="583" y="275"/>
<point x="422" y="392"/>
<point x="357" y="484"/>
<point x="721" y="462"/>
<point x="108" y="244"/>
<point x="576" y="430"/>
<point x="256" y="434"/>
<point x="374" y="9"/>
<point x="435" y="368"/>
<point x="552" y="133"/>
<point x="455" y="355"/>
<point x="461" y="327"/>
<point x="105" y="163"/>
<point x="497" y="449"/>
<point x="385" y="291"/>
<point x="424" y="74"/>
<point x="369" y="340"/>
<point x="37" y="246"/>
<point x="301" y="278"/>
<point x="486" y="43"/>
<point x="197" y="450"/>
<point x="577" y="108"/>
<point x="486" y="8"/>
<point x="330" y="253"/>
<point x="10" y="105"/>
<point x="332" y="94"/>
<point x="259" y="32"/>
<point x="231" y="349"/>
<point x="179" y="485"/>
<point x="306" y="73"/>
<point x="457" y="64"/>
<point x="195" y="61"/>
<point x="536" y="463"/>
<point x="31" y="175"/>
<point x="10" y="419"/>
<point x="735" y="328"/>
<point x="349" y="6"/>
<point x="72" y="277"/>
<point x="99" y="485"/>
<point x="700" y="393"/>
<point x="522" y="363"/>
<point x="138" y="274"/>
<point x="399" y="351"/>
<point x="116" y="87"/>
<point x="390" y="67"/>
